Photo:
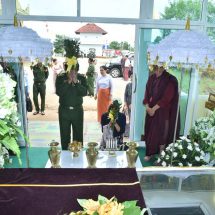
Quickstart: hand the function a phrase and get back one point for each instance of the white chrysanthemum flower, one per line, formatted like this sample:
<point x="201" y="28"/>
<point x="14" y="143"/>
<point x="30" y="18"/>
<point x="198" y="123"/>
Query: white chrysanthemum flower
<point x="180" y="147"/>
<point x="201" y="157"/>
<point x="18" y="123"/>
<point x="167" y="157"/>
<point x="180" y="164"/>
<point x="4" y="112"/>
<point x="159" y="160"/>
<point x="163" y="163"/>
<point x="189" y="164"/>
<point x="196" y="144"/>
<point x="163" y="153"/>
<point x="175" y="154"/>
<point x="197" y="158"/>
<point x="1" y="161"/>
<point x="183" y="138"/>
<point x="197" y="149"/>
<point x="184" y="156"/>
<point x="167" y="148"/>
<point x="190" y="147"/>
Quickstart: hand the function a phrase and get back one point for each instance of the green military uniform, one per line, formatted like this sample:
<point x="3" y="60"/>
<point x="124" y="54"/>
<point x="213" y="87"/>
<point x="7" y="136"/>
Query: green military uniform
<point x="90" y="79"/>
<point x="41" y="74"/>
<point x="70" y="109"/>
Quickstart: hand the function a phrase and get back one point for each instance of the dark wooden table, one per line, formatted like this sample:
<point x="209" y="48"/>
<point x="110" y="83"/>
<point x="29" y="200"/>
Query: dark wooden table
<point x="55" y="191"/>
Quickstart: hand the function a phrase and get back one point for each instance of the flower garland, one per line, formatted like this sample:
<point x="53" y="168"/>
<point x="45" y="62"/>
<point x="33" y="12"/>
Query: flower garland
<point x="104" y="206"/>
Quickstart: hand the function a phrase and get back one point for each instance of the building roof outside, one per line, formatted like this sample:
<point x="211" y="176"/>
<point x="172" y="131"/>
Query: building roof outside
<point x="90" y="28"/>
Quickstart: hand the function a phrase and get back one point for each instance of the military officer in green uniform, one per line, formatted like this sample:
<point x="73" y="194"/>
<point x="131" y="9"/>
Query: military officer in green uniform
<point x="41" y="74"/>
<point x="71" y="87"/>
<point x="91" y="77"/>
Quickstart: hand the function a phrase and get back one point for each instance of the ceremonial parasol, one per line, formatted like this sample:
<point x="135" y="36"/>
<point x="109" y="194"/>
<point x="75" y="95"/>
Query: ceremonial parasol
<point x="184" y="48"/>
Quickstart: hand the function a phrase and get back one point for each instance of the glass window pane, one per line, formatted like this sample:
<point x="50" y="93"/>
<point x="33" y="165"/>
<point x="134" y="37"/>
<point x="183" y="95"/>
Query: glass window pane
<point x="47" y="7"/>
<point x="199" y="182"/>
<point x="0" y="8"/>
<point x="211" y="11"/>
<point x="206" y="84"/>
<point x="110" y="8"/>
<point x="177" y="9"/>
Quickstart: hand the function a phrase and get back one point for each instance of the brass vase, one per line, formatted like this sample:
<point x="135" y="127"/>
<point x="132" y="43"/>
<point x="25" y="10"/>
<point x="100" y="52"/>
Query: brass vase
<point x="75" y="147"/>
<point x="131" y="154"/>
<point x="54" y="154"/>
<point x="92" y="154"/>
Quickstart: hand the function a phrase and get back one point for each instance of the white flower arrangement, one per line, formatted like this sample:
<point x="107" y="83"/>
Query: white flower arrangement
<point x="9" y="121"/>
<point x="203" y="132"/>
<point x="4" y="156"/>
<point x="185" y="153"/>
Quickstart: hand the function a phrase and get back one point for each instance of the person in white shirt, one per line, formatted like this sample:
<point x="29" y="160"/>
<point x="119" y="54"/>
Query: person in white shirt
<point x="57" y="69"/>
<point x="104" y="89"/>
<point x="126" y="68"/>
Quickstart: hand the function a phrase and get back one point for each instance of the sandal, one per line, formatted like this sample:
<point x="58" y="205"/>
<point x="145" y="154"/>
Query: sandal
<point x="42" y="113"/>
<point x="36" y="112"/>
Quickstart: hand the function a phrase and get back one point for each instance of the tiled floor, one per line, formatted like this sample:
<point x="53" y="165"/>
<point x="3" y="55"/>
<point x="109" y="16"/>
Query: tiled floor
<point x="41" y="133"/>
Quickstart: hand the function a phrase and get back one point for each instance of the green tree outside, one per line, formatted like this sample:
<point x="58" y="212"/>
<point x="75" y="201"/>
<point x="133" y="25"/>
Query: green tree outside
<point x="181" y="10"/>
<point x="59" y="44"/>
<point x="124" y="45"/>
<point x="115" y="45"/>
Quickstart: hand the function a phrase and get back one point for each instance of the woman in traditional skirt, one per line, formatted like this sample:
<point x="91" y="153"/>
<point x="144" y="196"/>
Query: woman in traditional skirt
<point x="104" y="89"/>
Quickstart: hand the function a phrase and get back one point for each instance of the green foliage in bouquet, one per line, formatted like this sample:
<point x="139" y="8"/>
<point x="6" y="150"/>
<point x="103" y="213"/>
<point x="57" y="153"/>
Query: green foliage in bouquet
<point x="9" y="120"/>
<point x="104" y="206"/>
<point x="186" y="153"/>
<point x="9" y="133"/>
<point x="114" y="109"/>
<point x="72" y="48"/>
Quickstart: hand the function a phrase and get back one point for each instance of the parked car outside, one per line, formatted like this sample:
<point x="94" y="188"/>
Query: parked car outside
<point x="114" y="66"/>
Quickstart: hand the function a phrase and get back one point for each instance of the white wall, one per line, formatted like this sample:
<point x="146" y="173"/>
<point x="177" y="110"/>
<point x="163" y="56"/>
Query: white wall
<point x="85" y="48"/>
<point x="91" y="40"/>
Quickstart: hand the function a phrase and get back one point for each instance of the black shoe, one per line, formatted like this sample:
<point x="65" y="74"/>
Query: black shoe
<point x="42" y="113"/>
<point x="36" y="112"/>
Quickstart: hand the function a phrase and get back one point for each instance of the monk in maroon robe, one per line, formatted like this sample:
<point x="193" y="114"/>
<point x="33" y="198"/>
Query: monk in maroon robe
<point x="161" y="100"/>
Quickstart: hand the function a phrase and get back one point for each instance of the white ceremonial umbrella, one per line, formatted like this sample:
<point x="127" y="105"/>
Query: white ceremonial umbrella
<point x="187" y="48"/>
<point x="18" y="44"/>
<point x="24" y="43"/>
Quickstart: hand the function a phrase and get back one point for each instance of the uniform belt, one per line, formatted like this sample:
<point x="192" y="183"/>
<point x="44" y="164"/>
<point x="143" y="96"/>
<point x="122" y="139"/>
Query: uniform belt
<point x="71" y="107"/>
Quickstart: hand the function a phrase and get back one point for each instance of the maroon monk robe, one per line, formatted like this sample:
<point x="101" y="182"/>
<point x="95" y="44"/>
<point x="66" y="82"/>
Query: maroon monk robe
<point x="159" y="129"/>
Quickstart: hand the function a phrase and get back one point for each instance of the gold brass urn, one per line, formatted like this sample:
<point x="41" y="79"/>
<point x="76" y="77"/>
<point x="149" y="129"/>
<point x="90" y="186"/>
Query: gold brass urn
<point x="131" y="154"/>
<point x="92" y="154"/>
<point x="75" y="147"/>
<point x="54" y="154"/>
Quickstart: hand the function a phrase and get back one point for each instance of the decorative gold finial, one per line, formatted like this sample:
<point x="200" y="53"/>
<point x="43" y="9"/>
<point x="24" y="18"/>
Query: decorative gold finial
<point x="15" y="21"/>
<point x="187" y="26"/>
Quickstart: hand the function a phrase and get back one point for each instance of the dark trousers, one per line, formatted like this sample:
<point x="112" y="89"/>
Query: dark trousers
<point x="39" y="88"/>
<point x="67" y="118"/>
